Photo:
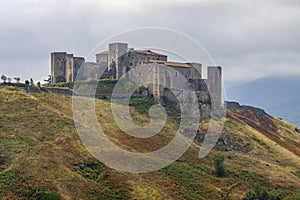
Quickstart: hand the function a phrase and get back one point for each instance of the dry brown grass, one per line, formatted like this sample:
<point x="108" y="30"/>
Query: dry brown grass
<point x="38" y="137"/>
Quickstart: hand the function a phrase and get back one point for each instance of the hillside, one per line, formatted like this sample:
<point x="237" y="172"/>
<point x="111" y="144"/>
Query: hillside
<point x="41" y="155"/>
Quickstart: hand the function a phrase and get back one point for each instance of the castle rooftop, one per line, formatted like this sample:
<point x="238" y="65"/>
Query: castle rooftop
<point x="147" y="52"/>
<point x="103" y="52"/>
<point x="171" y="64"/>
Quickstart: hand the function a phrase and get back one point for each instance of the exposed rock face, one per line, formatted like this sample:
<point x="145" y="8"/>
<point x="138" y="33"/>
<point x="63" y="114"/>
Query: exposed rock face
<point x="229" y="142"/>
<point x="297" y="129"/>
<point x="230" y="105"/>
<point x="255" y="117"/>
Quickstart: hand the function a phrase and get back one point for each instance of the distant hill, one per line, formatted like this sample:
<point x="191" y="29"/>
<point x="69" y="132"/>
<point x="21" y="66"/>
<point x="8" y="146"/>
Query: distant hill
<point x="289" y="111"/>
<point x="277" y="95"/>
<point x="42" y="157"/>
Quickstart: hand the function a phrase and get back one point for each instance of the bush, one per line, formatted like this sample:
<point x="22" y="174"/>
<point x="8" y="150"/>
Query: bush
<point x="141" y="105"/>
<point x="293" y="197"/>
<point x="6" y="176"/>
<point x="219" y="164"/>
<point x="251" y="195"/>
<point x="26" y="84"/>
<point x="276" y="195"/>
<point x="40" y="193"/>
<point x="92" y="170"/>
<point x="261" y="194"/>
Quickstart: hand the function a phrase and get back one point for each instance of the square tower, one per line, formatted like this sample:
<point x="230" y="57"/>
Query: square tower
<point x="58" y="67"/>
<point x="115" y="51"/>
<point x="214" y="78"/>
<point x="64" y="67"/>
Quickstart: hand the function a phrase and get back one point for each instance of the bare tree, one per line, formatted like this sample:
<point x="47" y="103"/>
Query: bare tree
<point x="17" y="79"/>
<point x="31" y="82"/>
<point x="48" y="80"/>
<point x="4" y="78"/>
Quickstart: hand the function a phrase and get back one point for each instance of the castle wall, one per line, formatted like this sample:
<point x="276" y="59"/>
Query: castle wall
<point x="196" y="71"/>
<point x="69" y="67"/>
<point x="59" y="90"/>
<point x="77" y="62"/>
<point x="176" y="80"/>
<point x="118" y="60"/>
<point x="58" y="67"/>
<point x="203" y="100"/>
<point x="89" y="71"/>
<point x="102" y="57"/>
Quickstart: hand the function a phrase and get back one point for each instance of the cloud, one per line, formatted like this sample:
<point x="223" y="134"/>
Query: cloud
<point x="249" y="39"/>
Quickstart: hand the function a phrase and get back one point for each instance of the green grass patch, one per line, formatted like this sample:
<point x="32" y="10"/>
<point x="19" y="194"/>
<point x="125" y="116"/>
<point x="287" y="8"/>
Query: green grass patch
<point x="293" y="197"/>
<point x="111" y="193"/>
<point x="229" y="123"/>
<point x="91" y="170"/>
<point x="36" y="192"/>
<point x="261" y="143"/>
<point x="191" y="179"/>
<point x="248" y="177"/>
<point x="141" y="105"/>
<point x="6" y="176"/>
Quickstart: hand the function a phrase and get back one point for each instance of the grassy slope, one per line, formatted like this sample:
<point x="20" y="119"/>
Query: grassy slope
<point x="39" y="148"/>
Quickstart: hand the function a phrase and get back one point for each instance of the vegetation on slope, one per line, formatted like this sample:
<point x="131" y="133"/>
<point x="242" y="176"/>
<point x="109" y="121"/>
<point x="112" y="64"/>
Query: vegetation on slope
<point x="42" y="157"/>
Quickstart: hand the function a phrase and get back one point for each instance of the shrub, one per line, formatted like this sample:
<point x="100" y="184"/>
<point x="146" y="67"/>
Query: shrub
<point x="276" y="195"/>
<point x="6" y="176"/>
<point x="293" y="197"/>
<point x="26" y="84"/>
<point x="251" y="195"/>
<point x="40" y="193"/>
<point x="4" y="78"/>
<point x="219" y="164"/>
<point x="92" y="170"/>
<point x="257" y="194"/>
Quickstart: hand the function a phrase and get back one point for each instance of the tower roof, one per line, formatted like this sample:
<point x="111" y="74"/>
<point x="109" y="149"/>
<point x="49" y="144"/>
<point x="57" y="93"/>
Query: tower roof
<point x="147" y="52"/>
<point x="171" y="64"/>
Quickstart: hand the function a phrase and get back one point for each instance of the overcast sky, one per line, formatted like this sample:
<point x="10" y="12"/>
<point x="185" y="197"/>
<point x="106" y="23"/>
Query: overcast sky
<point x="249" y="38"/>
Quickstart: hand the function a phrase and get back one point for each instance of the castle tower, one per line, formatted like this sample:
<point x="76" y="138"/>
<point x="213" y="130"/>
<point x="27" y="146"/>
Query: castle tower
<point x="58" y="67"/>
<point x="115" y="50"/>
<point x="64" y="67"/>
<point x="214" y="80"/>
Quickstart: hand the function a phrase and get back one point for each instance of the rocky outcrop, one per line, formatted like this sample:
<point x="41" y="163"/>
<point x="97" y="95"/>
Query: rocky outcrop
<point x="258" y="119"/>
<point x="297" y="129"/>
<point x="231" y="105"/>
<point x="228" y="142"/>
<point x="255" y="117"/>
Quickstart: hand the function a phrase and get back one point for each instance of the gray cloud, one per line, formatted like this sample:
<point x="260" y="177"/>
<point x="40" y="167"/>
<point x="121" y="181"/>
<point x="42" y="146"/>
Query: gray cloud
<point x="249" y="39"/>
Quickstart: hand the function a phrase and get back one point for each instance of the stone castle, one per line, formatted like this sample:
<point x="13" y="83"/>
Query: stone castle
<point x="119" y="61"/>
